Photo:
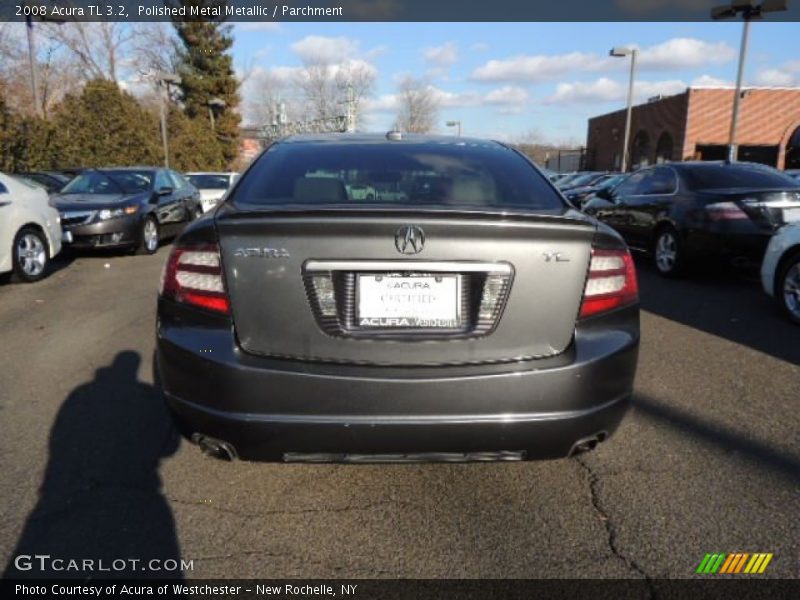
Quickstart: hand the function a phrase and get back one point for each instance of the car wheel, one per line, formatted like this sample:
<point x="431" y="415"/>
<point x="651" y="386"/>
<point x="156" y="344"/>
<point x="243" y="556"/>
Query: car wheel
<point x="667" y="252"/>
<point x="788" y="289"/>
<point x="148" y="244"/>
<point x="30" y="255"/>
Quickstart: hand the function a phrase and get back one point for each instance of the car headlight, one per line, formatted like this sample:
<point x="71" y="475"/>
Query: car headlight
<point x="113" y="213"/>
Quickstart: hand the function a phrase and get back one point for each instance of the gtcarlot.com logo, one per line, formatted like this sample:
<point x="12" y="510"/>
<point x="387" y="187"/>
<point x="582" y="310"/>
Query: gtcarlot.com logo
<point x="46" y="562"/>
<point x="733" y="563"/>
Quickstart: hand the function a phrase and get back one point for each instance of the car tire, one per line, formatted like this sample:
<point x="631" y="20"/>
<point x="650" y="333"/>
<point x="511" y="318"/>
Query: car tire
<point x="787" y="288"/>
<point x="668" y="255"/>
<point x="148" y="237"/>
<point x="30" y="255"/>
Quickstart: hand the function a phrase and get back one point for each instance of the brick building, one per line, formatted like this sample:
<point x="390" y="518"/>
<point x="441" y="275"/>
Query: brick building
<point x="695" y="125"/>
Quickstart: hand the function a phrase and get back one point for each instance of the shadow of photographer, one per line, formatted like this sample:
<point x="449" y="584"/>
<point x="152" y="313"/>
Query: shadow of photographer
<point x="101" y="498"/>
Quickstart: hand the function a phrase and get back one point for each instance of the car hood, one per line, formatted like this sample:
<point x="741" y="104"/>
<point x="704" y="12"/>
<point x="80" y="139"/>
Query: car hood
<point x="206" y="194"/>
<point x="94" y="201"/>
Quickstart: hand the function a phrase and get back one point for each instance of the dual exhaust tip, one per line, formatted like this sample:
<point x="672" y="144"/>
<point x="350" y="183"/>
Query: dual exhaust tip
<point x="225" y="451"/>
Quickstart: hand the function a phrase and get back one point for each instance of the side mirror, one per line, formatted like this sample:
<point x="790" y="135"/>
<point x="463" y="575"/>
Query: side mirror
<point x="604" y="193"/>
<point x="164" y="191"/>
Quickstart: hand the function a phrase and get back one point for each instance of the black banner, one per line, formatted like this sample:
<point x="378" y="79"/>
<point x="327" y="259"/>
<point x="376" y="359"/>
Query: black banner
<point x="707" y="588"/>
<point x="373" y="10"/>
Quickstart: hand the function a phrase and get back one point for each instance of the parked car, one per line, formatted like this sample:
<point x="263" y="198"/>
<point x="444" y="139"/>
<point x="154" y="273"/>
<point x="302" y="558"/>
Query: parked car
<point x="212" y="186"/>
<point x="780" y="271"/>
<point x="690" y="210"/>
<point x="579" y="195"/>
<point x="132" y="207"/>
<point x="478" y="317"/>
<point x="581" y="180"/>
<point x="30" y="232"/>
<point x="52" y="181"/>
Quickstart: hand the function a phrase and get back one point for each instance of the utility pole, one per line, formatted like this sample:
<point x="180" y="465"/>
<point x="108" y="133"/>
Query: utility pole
<point x="32" y="64"/>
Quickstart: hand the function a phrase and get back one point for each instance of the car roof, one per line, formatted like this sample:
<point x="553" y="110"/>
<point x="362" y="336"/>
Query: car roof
<point x="382" y="138"/>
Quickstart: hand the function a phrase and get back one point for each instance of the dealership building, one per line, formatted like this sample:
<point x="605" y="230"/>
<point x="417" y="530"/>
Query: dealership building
<point x="695" y="125"/>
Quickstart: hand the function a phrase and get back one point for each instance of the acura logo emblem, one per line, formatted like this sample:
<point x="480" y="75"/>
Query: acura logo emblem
<point x="409" y="239"/>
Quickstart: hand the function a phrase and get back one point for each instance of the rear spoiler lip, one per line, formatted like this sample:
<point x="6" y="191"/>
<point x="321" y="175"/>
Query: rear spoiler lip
<point x="567" y="215"/>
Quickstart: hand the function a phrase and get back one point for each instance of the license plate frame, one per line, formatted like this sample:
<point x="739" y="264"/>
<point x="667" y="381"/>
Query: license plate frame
<point x="446" y="288"/>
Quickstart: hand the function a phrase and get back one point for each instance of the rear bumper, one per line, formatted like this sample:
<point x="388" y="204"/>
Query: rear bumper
<point x="736" y="240"/>
<point x="267" y="409"/>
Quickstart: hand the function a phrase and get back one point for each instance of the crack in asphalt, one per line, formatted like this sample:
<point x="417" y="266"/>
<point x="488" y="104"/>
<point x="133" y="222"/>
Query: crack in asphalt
<point x="611" y="529"/>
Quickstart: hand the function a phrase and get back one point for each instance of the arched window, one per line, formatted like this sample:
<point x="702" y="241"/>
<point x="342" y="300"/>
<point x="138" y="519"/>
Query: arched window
<point x="793" y="151"/>
<point x="640" y="153"/>
<point x="664" y="148"/>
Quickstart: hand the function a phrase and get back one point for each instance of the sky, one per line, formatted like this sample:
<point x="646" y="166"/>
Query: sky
<point x="515" y="80"/>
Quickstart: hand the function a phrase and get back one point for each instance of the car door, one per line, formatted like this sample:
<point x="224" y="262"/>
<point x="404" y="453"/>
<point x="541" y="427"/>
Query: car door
<point x="651" y="199"/>
<point x="188" y="196"/>
<point x="617" y="214"/>
<point x="170" y="211"/>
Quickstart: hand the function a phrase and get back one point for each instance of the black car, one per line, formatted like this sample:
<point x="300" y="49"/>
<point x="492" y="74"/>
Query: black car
<point x="52" y="181"/>
<point x="579" y="195"/>
<point x="691" y="210"/>
<point x="131" y="207"/>
<point x="470" y="315"/>
<point x="583" y="178"/>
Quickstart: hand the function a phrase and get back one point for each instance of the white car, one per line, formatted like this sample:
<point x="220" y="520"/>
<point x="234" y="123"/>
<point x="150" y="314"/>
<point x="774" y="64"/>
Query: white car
<point x="30" y="229"/>
<point x="212" y="186"/>
<point x="780" y="271"/>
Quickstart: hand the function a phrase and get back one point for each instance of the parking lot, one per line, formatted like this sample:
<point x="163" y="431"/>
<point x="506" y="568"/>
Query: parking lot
<point x="708" y="460"/>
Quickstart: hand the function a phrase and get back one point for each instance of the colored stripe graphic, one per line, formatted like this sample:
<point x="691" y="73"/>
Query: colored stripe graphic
<point x="733" y="563"/>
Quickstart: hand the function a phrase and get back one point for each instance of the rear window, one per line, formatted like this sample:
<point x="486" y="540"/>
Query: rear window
<point x="709" y="177"/>
<point x="210" y="182"/>
<point x="472" y="175"/>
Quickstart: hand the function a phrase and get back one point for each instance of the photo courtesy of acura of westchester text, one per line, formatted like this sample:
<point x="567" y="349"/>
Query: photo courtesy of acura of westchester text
<point x="370" y="297"/>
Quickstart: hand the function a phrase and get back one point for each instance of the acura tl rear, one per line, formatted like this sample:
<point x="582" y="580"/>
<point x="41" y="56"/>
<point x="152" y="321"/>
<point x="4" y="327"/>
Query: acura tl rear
<point x="460" y="311"/>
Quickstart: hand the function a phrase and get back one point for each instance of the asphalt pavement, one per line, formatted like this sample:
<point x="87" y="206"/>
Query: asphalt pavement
<point x="708" y="460"/>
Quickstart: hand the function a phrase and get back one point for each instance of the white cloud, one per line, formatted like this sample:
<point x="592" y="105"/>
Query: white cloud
<point x="684" y="53"/>
<point x="710" y="81"/>
<point x="609" y="90"/>
<point x="676" y="53"/>
<point x="508" y="95"/>
<point x="257" y="26"/>
<point x="479" y="47"/>
<point x="441" y="56"/>
<point x="325" y="50"/>
<point x="539" y="67"/>
<point x="777" y="78"/>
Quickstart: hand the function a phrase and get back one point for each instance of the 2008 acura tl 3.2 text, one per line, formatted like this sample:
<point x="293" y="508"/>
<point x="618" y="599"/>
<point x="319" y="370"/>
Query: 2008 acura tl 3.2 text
<point x="460" y="310"/>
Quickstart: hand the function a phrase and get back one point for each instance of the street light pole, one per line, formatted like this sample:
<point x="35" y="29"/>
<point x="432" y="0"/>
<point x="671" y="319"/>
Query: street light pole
<point x="732" y="153"/>
<point x="164" y="79"/>
<point x="455" y="124"/>
<point x="212" y="104"/>
<point x="749" y="11"/>
<point x="32" y="64"/>
<point x="632" y="52"/>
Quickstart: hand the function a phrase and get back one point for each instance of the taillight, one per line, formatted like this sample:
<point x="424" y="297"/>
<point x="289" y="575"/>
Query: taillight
<point x="725" y="211"/>
<point x="611" y="282"/>
<point x="193" y="275"/>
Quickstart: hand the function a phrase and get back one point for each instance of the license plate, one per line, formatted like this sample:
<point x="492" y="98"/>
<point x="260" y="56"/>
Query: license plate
<point x="790" y="215"/>
<point x="390" y="300"/>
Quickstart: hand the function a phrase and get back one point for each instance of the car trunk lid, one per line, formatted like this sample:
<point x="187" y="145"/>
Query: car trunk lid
<point x="347" y="286"/>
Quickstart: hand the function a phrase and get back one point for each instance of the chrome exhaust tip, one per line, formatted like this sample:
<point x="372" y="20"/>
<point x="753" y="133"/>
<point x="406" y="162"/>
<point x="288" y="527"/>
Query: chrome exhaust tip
<point x="587" y="444"/>
<point x="215" y="448"/>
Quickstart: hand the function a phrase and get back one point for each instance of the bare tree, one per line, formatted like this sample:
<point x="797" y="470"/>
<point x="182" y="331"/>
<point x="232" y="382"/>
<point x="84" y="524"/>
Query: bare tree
<point x="97" y="48"/>
<point x="418" y="108"/>
<point x="153" y="48"/>
<point x="330" y="90"/>
<point x="265" y="91"/>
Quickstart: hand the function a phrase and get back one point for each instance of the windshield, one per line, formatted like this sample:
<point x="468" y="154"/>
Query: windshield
<point x="110" y="182"/>
<point x="707" y="177"/>
<point x="478" y="175"/>
<point x="210" y="181"/>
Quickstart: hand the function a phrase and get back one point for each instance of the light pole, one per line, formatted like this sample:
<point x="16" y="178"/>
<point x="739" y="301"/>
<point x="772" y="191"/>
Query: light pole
<point x="37" y="106"/>
<point x="214" y="103"/>
<point x="455" y="124"/>
<point x="632" y="52"/>
<point x="749" y="11"/>
<point x="164" y="80"/>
